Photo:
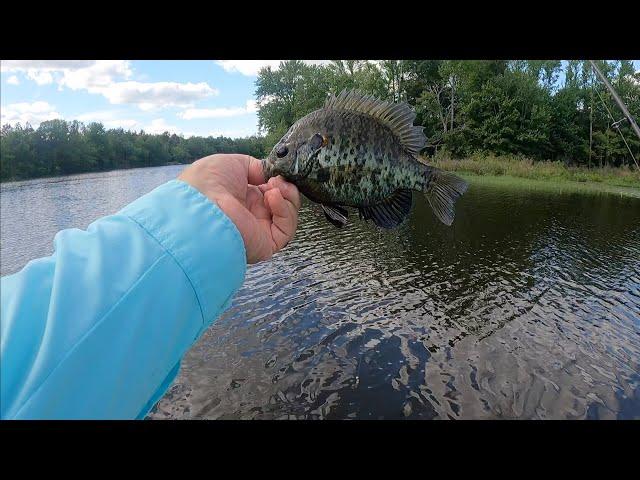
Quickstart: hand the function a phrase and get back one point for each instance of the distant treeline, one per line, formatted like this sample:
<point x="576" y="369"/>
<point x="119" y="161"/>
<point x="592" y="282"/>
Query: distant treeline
<point x="539" y="109"/>
<point x="58" y="147"/>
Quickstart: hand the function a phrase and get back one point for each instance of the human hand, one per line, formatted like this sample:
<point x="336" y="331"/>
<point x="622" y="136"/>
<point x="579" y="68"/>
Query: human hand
<point x="266" y="214"/>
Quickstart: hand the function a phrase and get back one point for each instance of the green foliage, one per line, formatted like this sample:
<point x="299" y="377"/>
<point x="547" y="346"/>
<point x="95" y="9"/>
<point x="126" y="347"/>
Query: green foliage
<point x="502" y="107"/>
<point x="510" y="114"/>
<point x="491" y="107"/>
<point x="289" y="93"/>
<point x="58" y="147"/>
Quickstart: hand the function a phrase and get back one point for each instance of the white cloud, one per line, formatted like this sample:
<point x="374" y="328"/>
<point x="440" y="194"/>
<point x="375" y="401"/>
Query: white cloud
<point x="98" y="116"/>
<point x="109" y="118"/>
<point x="33" y="113"/>
<point x="247" y="67"/>
<point x="13" y="80"/>
<point x="126" y="123"/>
<point x="75" y="74"/>
<point x="159" y="125"/>
<point x="105" y="77"/>
<point x="233" y="133"/>
<point x="48" y="65"/>
<point x="97" y="76"/>
<point x="252" y="67"/>
<point x="37" y="112"/>
<point x="41" y="77"/>
<point x="148" y="96"/>
<point x="222" y="112"/>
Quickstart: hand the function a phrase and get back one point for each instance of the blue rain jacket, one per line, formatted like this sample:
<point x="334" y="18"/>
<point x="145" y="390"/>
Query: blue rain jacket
<point x="97" y="330"/>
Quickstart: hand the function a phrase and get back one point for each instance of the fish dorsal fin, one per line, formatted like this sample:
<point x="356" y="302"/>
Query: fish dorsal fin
<point x="398" y="117"/>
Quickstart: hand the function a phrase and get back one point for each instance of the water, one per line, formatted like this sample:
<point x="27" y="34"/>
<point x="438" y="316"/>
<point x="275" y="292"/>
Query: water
<point x="528" y="307"/>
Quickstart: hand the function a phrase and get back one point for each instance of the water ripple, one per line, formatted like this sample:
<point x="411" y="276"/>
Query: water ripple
<point x="535" y="316"/>
<point x="527" y="307"/>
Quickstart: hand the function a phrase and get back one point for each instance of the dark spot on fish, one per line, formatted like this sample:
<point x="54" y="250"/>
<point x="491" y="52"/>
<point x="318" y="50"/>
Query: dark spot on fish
<point x="323" y="175"/>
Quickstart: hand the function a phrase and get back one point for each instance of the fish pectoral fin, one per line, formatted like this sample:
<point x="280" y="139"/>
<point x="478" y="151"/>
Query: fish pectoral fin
<point x="392" y="211"/>
<point x="335" y="214"/>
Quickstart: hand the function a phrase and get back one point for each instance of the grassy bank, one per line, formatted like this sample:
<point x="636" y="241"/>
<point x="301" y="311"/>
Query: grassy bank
<point x="544" y="171"/>
<point x="555" y="186"/>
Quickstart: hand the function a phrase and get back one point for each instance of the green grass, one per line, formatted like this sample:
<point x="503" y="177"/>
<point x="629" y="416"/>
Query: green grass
<point x="555" y="186"/>
<point x="550" y="172"/>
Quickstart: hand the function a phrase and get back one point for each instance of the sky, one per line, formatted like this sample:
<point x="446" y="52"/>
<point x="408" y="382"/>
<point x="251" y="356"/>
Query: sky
<point x="201" y="98"/>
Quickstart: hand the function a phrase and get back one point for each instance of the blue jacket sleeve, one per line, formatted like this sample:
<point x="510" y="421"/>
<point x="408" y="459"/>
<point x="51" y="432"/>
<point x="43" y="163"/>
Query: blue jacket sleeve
<point x="98" y="329"/>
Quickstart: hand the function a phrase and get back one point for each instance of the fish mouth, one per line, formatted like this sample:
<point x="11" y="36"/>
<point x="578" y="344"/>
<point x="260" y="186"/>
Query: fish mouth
<point x="268" y="167"/>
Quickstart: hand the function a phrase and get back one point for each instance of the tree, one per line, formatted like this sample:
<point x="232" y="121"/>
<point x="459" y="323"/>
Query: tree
<point x="515" y="107"/>
<point x="510" y="115"/>
<point x="276" y="95"/>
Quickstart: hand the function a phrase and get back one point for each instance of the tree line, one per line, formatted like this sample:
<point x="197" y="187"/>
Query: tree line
<point x="59" y="147"/>
<point x="541" y="109"/>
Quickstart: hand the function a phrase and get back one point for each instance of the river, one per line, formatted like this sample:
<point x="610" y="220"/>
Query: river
<point x="527" y="307"/>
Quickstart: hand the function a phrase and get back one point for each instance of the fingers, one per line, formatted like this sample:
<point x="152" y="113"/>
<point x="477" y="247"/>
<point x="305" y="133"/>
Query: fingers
<point x="285" y="218"/>
<point x="252" y="166"/>
<point x="283" y="199"/>
<point x="256" y="204"/>
<point x="289" y="190"/>
<point x="255" y="172"/>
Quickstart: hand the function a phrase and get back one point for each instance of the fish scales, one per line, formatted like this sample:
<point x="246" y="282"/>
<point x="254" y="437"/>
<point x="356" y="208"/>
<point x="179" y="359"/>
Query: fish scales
<point x="360" y="152"/>
<point x="355" y="174"/>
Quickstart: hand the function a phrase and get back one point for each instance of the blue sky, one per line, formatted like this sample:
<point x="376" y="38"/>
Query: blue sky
<point x="202" y="98"/>
<point x="186" y="97"/>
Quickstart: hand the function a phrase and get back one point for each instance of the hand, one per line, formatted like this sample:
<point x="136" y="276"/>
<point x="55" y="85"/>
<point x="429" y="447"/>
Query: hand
<point x="266" y="214"/>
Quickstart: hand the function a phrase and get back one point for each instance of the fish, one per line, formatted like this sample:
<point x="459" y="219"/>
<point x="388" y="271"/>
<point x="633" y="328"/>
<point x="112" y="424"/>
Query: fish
<point x="362" y="152"/>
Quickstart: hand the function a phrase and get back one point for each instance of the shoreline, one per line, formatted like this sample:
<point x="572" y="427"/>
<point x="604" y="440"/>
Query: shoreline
<point x="92" y="172"/>
<point x="561" y="186"/>
<point x="549" y="171"/>
<point x="549" y="183"/>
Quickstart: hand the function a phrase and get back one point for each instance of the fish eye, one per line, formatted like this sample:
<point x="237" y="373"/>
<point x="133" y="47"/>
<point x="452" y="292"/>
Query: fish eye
<point x="282" y="151"/>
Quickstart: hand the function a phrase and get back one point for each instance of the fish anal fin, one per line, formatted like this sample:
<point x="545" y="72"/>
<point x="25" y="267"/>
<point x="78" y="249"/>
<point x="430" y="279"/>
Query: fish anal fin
<point x="392" y="211"/>
<point x="335" y="214"/>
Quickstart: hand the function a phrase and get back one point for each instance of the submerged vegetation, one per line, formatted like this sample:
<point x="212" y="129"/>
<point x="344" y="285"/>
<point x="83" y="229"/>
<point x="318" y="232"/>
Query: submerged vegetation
<point x="476" y="113"/>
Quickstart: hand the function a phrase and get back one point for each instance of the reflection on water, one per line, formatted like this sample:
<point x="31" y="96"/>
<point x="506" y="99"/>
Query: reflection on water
<point x="33" y="211"/>
<point x="528" y="307"/>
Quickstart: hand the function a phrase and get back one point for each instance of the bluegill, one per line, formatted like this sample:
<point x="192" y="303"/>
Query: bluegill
<point x="362" y="152"/>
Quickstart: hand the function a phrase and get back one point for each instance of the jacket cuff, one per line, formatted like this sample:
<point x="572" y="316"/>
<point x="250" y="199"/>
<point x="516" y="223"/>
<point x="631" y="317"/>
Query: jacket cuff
<point x="202" y="240"/>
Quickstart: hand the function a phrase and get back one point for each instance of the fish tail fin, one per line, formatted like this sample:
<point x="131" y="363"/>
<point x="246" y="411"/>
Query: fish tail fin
<point x="442" y="190"/>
